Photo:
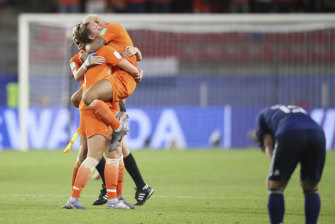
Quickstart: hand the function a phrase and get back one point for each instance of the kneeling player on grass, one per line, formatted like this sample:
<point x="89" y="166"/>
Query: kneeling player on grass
<point x="289" y="136"/>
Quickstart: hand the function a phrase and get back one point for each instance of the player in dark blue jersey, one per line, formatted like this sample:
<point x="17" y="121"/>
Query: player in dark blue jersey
<point x="289" y="136"/>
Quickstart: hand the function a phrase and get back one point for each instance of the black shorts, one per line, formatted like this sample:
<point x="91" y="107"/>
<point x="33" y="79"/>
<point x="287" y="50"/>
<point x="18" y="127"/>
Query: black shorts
<point x="307" y="147"/>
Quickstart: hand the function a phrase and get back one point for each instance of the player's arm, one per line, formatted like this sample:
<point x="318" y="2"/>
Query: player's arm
<point x="114" y="58"/>
<point x="78" y="74"/>
<point x="130" y="51"/>
<point x="136" y="72"/>
<point x="268" y="145"/>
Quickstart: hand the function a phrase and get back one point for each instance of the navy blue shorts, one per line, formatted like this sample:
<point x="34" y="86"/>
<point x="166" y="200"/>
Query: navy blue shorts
<point x="307" y="147"/>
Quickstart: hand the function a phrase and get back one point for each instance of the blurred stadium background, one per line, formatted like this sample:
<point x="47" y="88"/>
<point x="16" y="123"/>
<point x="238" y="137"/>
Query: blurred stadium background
<point x="206" y="75"/>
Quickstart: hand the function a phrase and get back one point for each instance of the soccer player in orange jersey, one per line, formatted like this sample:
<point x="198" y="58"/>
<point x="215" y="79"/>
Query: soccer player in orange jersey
<point x="77" y="71"/>
<point x="97" y="133"/>
<point x="116" y="36"/>
<point x="143" y="191"/>
<point x="116" y="87"/>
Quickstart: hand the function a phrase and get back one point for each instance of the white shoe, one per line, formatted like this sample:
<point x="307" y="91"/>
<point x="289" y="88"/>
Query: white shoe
<point x="116" y="204"/>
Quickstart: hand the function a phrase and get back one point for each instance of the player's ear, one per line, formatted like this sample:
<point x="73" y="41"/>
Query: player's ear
<point x="91" y="37"/>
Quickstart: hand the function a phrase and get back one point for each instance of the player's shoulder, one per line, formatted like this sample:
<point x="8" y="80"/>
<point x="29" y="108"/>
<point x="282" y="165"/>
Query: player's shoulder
<point x="105" y="50"/>
<point x="76" y="57"/>
<point x="113" y="26"/>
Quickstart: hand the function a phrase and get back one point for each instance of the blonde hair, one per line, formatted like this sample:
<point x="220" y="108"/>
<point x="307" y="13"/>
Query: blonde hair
<point x="94" y="18"/>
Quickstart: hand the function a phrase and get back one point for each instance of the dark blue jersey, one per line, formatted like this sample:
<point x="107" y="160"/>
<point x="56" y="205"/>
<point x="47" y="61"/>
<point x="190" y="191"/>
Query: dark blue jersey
<point x="279" y="119"/>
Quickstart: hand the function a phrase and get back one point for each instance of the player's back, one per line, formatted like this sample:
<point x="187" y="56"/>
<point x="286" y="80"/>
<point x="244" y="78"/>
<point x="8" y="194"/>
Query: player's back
<point x="117" y="37"/>
<point x="284" y="118"/>
<point x="97" y="72"/>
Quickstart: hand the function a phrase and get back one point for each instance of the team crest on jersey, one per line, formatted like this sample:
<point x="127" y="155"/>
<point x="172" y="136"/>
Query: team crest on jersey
<point x="107" y="128"/>
<point x="103" y="31"/>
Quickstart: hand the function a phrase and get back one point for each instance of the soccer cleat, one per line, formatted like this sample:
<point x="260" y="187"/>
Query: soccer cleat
<point x="102" y="199"/>
<point x="121" y="198"/>
<point x="118" y="135"/>
<point x="73" y="205"/>
<point x="144" y="194"/>
<point x="116" y="204"/>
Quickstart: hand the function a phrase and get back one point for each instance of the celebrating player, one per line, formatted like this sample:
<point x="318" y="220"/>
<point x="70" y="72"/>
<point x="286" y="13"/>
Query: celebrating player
<point x="97" y="132"/>
<point x="114" y="87"/>
<point x="289" y="136"/>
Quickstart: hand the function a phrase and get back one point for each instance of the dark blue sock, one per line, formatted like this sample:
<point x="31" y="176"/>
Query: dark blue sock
<point x="276" y="207"/>
<point x="312" y="206"/>
<point x="101" y="169"/>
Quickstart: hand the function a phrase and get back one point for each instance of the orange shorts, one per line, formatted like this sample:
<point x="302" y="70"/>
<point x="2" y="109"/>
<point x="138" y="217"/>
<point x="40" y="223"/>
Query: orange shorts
<point x="81" y="129"/>
<point x="91" y="125"/>
<point x="123" y="85"/>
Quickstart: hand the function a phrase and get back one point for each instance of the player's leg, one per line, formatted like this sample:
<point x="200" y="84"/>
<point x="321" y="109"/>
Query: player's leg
<point x="119" y="188"/>
<point x="97" y="133"/>
<point x="96" y="145"/>
<point x="112" y="178"/>
<point x="283" y="162"/>
<point x="82" y="154"/>
<point x="95" y="98"/>
<point x="76" y="97"/>
<point x="312" y="163"/>
<point x="102" y="198"/>
<point x="143" y="191"/>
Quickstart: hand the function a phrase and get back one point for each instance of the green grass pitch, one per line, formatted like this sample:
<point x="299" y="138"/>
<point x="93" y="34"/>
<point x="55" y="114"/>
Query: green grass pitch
<point x="192" y="186"/>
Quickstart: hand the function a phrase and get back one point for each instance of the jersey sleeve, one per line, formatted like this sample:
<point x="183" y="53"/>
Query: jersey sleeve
<point x="75" y="62"/>
<point x="109" y="32"/>
<point x="112" y="56"/>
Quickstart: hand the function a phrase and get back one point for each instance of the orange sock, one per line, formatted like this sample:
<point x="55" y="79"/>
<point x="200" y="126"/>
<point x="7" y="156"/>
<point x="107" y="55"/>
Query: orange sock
<point x="119" y="186"/>
<point x="83" y="176"/>
<point x="111" y="177"/>
<point x="102" y="110"/>
<point x="74" y="172"/>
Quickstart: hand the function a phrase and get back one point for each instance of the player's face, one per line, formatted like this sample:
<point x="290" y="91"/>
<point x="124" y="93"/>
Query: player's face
<point x="94" y="28"/>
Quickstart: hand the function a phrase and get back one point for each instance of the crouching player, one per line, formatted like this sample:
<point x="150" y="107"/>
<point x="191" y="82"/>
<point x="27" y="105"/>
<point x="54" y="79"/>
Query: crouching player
<point x="289" y="136"/>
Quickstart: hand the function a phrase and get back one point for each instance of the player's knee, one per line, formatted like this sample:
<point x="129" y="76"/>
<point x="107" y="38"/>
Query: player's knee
<point x="309" y="186"/>
<point x="87" y="99"/>
<point x="75" y="100"/>
<point x="276" y="185"/>
<point x="90" y="163"/>
<point x="115" y="161"/>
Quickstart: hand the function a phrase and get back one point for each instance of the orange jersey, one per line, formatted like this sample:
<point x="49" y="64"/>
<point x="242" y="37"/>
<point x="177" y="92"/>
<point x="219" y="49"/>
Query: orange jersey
<point x="75" y="63"/>
<point x="117" y="37"/>
<point x="97" y="72"/>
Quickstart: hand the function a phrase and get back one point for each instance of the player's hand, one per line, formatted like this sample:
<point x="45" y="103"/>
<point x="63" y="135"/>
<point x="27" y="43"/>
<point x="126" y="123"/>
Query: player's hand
<point x="139" y="76"/>
<point x="83" y="56"/>
<point x="97" y="60"/>
<point x="130" y="51"/>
